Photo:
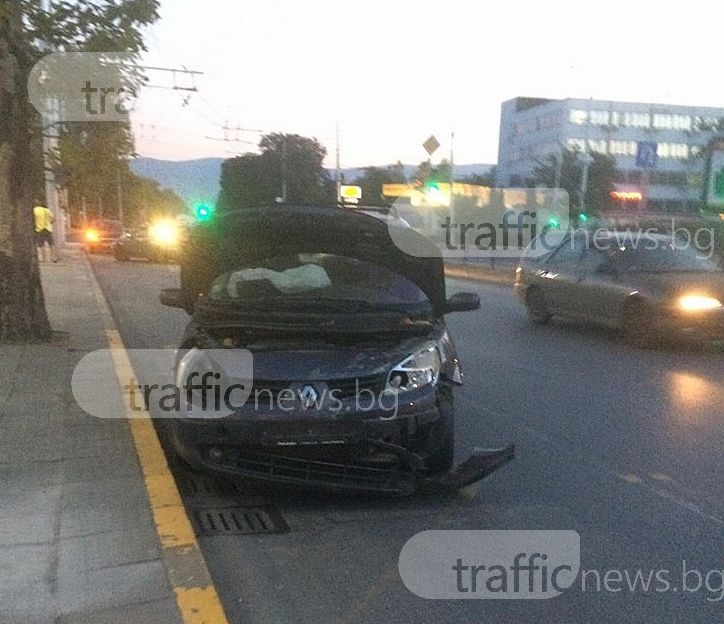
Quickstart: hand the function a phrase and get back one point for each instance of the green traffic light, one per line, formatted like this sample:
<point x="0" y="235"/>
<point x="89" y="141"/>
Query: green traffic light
<point x="203" y="212"/>
<point x="554" y="222"/>
<point x="583" y="217"/>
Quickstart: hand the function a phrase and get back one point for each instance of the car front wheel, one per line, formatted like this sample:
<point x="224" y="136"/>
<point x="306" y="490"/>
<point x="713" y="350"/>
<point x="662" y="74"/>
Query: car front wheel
<point x="638" y="324"/>
<point x="535" y="303"/>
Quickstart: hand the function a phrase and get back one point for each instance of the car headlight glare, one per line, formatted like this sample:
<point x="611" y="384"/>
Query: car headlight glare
<point x="163" y="233"/>
<point x="418" y="370"/>
<point x="699" y="303"/>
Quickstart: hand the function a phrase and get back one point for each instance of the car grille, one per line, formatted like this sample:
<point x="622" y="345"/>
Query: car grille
<point x="318" y="473"/>
<point x="267" y="390"/>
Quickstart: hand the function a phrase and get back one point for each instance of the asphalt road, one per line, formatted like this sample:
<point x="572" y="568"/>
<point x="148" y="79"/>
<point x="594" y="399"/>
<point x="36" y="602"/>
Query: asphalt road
<point x="620" y="444"/>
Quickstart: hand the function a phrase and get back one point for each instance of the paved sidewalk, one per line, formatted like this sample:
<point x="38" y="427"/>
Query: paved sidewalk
<point x="77" y="538"/>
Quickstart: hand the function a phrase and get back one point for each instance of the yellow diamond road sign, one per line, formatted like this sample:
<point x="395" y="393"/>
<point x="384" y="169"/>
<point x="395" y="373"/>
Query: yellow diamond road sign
<point x="431" y="145"/>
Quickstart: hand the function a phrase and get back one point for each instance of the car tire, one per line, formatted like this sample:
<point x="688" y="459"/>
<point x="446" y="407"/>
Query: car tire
<point x="537" y="307"/>
<point x="442" y="438"/>
<point x="637" y="324"/>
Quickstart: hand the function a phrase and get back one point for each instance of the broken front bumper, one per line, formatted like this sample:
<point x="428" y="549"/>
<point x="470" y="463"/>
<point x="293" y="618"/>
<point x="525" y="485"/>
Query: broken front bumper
<point x="340" y="477"/>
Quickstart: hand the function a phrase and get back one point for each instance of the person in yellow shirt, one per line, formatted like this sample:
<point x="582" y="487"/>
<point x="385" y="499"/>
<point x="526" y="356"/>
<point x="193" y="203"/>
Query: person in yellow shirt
<point x="44" y="232"/>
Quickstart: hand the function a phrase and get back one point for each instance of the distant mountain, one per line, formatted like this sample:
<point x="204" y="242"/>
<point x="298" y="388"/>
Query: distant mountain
<point x="198" y="180"/>
<point x="192" y="180"/>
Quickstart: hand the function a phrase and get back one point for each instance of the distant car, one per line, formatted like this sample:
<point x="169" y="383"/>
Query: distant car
<point x="649" y="285"/>
<point x="100" y="236"/>
<point x="159" y="242"/>
<point x="332" y="311"/>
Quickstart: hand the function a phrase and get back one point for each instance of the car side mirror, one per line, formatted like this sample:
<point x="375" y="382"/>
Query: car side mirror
<point x="173" y="298"/>
<point x="462" y="302"/>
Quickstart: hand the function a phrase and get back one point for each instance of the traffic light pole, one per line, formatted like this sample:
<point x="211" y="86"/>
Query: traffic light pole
<point x="452" y="173"/>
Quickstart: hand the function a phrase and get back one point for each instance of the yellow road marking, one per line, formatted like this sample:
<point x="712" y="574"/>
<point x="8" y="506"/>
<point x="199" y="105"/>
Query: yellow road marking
<point x="200" y="604"/>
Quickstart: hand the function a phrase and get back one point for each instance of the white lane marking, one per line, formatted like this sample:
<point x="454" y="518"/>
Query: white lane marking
<point x="688" y="502"/>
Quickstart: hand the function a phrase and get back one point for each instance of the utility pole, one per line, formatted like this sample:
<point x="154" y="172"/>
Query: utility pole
<point x="559" y="170"/>
<point x="120" y="196"/>
<point x="587" y="160"/>
<point x="50" y="143"/>
<point x="284" y="169"/>
<point x="338" y="178"/>
<point x="452" y="173"/>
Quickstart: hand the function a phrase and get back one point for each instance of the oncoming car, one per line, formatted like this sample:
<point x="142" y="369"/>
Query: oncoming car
<point x="331" y="311"/>
<point x="100" y="236"/>
<point x="649" y="285"/>
<point x="159" y="242"/>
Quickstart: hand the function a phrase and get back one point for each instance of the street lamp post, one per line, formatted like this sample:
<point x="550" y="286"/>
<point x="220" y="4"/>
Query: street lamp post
<point x="587" y="160"/>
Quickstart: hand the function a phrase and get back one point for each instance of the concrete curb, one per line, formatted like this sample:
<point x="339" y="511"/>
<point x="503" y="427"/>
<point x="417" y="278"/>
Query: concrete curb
<point x="196" y="596"/>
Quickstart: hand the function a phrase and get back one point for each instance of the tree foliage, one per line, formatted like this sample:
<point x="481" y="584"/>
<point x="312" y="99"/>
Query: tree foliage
<point x="373" y="179"/>
<point x="90" y="25"/>
<point x="145" y="199"/>
<point x="89" y="160"/>
<point x="568" y="175"/>
<point x="27" y="33"/>
<point x="482" y="179"/>
<point x="427" y="172"/>
<point x="288" y="166"/>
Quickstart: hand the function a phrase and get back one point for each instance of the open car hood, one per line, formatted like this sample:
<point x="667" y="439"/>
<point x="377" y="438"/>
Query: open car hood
<point x="239" y="238"/>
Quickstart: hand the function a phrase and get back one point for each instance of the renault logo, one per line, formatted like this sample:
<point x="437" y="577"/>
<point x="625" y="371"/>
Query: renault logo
<point x="308" y="397"/>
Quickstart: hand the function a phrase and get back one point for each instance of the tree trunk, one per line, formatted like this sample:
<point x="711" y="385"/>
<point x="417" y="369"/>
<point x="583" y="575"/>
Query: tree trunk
<point x="22" y="306"/>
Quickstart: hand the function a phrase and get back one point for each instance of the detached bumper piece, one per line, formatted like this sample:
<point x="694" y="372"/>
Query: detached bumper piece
<point x="482" y="463"/>
<point x="338" y="477"/>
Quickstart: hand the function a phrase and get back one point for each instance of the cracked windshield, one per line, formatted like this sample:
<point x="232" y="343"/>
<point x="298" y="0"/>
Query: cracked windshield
<point x="382" y="312"/>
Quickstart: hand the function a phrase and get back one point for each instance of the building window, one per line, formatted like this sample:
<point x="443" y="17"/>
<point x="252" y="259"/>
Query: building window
<point x="666" y="121"/>
<point x="673" y="150"/>
<point x="622" y="148"/>
<point x="578" y="117"/>
<point x="599" y="146"/>
<point x="636" y="120"/>
<point x="598" y="117"/>
<point x="681" y="122"/>
<point x="662" y="121"/>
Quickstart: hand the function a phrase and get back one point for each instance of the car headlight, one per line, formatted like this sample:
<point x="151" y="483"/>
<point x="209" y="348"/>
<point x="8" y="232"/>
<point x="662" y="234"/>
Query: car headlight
<point x="698" y="303"/>
<point x="163" y="233"/>
<point x="92" y="236"/>
<point x="201" y="382"/>
<point x="418" y="370"/>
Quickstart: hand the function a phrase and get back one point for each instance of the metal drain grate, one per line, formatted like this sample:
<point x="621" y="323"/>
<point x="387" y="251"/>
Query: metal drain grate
<point x="240" y="521"/>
